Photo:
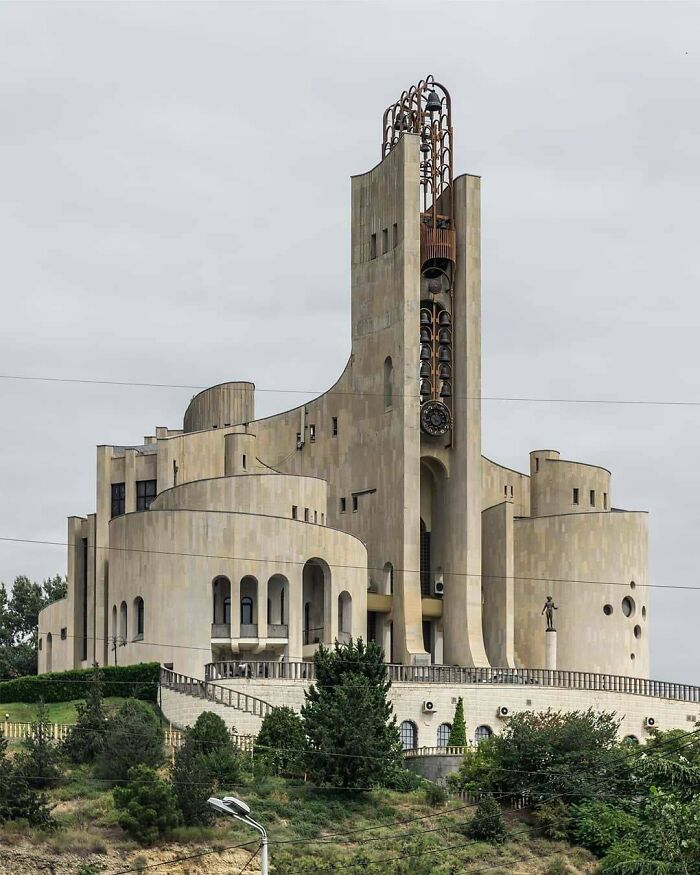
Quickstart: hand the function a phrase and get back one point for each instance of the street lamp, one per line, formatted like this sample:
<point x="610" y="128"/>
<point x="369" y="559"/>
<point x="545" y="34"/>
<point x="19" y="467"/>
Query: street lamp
<point x="237" y="808"/>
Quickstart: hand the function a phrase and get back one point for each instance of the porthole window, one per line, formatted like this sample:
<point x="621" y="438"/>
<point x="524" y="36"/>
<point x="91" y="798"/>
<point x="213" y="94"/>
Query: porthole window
<point x="607" y="610"/>
<point x="632" y="656"/>
<point x="637" y="631"/>
<point x="632" y="584"/>
<point x="627" y="606"/>
<point x="644" y="612"/>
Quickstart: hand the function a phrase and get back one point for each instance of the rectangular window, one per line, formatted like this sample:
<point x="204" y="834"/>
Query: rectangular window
<point x="575" y="495"/>
<point x="312" y="433"/>
<point x="385" y="240"/>
<point x="306" y="514"/>
<point x="537" y="465"/>
<point x="342" y="505"/>
<point x="335" y="426"/>
<point x="396" y="234"/>
<point x="295" y="512"/>
<point x="315" y="516"/>
<point x="373" y="246"/>
<point x="505" y="491"/>
<point x="145" y="493"/>
<point x="323" y="518"/>
<point x="118" y="499"/>
<point x="355" y="504"/>
<point x="244" y="462"/>
<point x="64" y="633"/>
<point x="511" y="491"/>
<point x="605" y="501"/>
<point x="592" y="497"/>
<point x="300" y="443"/>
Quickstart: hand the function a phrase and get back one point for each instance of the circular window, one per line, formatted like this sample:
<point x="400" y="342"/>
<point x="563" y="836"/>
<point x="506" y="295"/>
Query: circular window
<point x="631" y="655"/>
<point x="644" y="611"/>
<point x="637" y="631"/>
<point x="627" y="606"/>
<point x="632" y="584"/>
<point x="607" y="610"/>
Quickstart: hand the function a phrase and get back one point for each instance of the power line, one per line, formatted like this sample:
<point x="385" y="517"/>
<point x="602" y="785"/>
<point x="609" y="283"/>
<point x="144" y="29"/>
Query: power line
<point x="184" y="858"/>
<point x="331" y="392"/>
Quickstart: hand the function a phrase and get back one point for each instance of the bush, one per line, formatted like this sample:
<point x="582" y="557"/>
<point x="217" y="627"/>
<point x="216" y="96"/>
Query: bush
<point x="554" y="820"/>
<point x="598" y="826"/>
<point x="38" y="761"/>
<point x="133" y="736"/>
<point x="139" y="681"/>
<point x="280" y="745"/>
<point x="458" y="730"/>
<point x="435" y="795"/>
<point x="146" y="805"/>
<point x="86" y="739"/>
<point x="207" y="762"/>
<point x="487" y="825"/>
<point x="19" y="800"/>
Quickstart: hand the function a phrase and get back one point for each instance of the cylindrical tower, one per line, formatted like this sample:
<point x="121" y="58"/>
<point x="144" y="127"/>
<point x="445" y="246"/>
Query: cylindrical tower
<point x="221" y="406"/>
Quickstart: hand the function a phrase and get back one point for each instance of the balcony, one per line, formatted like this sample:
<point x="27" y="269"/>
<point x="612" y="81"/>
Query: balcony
<point x="220" y="630"/>
<point x="277" y="630"/>
<point x="249" y="630"/>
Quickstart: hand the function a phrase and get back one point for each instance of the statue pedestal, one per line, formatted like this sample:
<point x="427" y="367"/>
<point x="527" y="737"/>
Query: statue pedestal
<point x="550" y="649"/>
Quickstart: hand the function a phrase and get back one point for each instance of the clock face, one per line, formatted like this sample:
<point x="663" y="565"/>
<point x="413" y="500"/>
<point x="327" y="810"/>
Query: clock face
<point x="435" y="418"/>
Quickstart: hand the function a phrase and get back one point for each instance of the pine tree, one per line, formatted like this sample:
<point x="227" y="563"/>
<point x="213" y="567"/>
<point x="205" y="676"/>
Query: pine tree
<point x="458" y="730"/>
<point x="86" y="739"/>
<point x="39" y="760"/>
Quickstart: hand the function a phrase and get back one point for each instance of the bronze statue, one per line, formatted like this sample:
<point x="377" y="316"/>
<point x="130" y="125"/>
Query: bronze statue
<point x="550" y="608"/>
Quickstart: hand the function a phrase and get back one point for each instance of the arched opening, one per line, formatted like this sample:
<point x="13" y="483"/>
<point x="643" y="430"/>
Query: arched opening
<point x="221" y="607"/>
<point x="432" y="508"/>
<point x="114" y="622"/>
<point x="388" y="581"/>
<point x="138" y="618"/>
<point x="482" y="733"/>
<point x="249" y="607"/>
<point x="123" y="627"/>
<point x="443" y="734"/>
<point x="49" y="652"/>
<point x="630" y="739"/>
<point x="316" y="588"/>
<point x="388" y="383"/>
<point x="409" y="735"/>
<point x="277" y="589"/>
<point x="344" y="616"/>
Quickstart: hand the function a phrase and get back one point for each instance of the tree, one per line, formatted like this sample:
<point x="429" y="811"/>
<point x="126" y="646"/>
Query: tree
<point x="39" y="760"/>
<point x="348" y="719"/>
<point x="86" y="739"/>
<point x="147" y="806"/>
<point x="207" y="762"/>
<point x="281" y="743"/>
<point x="133" y="736"/>
<point x="458" y="730"/>
<point x="487" y="825"/>
<point x="18" y="800"/>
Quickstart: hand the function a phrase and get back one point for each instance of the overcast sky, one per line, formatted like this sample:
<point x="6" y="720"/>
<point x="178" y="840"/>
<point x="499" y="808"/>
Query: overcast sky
<point x="174" y="208"/>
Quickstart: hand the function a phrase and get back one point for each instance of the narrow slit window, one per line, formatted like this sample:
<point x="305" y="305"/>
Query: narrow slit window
<point x="306" y="514"/>
<point x="373" y="246"/>
<point x="385" y="240"/>
<point x="355" y="504"/>
<point x="342" y="505"/>
<point x="312" y="433"/>
<point x="537" y="465"/>
<point x="244" y="462"/>
<point x="395" y="234"/>
<point x="605" y="501"/>
<point x="575" y="497"/>
<point x="592" y="497"/>
<point x="335" y="426"/>
<point x="295" y="512"/>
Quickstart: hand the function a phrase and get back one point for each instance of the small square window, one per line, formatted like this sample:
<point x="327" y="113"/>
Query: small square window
<point x="592" y="497"/>
<point x="342" y="505"/>
<point x="385" y="240"/>
<point x="355" y="504"/>
<point x="373" y="246"/>
<point x="575" y="496"/>
<point x="335" y="426"/>
<point x="312" y="433"/>
<point x="295" y="512"/>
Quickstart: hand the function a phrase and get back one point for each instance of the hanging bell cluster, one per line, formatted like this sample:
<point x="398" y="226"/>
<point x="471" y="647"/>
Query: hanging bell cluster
<point x="435" y="354"/>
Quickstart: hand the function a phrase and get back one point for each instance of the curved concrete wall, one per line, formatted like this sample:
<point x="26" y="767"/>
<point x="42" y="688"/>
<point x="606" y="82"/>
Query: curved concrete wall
<point x="269" y="494"/>
<point x="553" y="481"/>
<point x="589" y="563"/>
<point x="219" y="406"/>
<point x="170" y="558"/>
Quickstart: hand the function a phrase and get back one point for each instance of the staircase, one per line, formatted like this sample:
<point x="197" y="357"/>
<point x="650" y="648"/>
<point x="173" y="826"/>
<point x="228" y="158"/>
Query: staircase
<point x="184" y="698"/>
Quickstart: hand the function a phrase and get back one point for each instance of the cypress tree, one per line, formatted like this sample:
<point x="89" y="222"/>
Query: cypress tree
<point x="458" y="730"/>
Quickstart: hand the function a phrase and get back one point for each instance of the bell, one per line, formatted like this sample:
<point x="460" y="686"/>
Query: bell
<point x="433" y="104"/>
<point x="445" y="372"/>
<point x="444" y="318"/>
<point x="425" y="387"/>
<point x="425" y="147"/>
<point x="425" y="317"/>
<point x="444" y="336"/>
<point x="425" y="370"/>
<point x="443" y="354"/>
<point x="425" y="335"/>
<point x="446" y="390"/>
<point x="425" y="353"/>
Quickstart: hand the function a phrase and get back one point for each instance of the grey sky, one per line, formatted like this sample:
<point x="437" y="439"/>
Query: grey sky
<point x="174" y="199"/>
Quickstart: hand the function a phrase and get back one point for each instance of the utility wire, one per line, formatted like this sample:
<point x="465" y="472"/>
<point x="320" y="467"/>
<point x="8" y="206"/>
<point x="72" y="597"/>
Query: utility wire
<point x="184" y="858"/>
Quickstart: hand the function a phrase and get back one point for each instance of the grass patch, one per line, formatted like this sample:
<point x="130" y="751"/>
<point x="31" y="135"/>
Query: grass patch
<point x="59" y="712"/>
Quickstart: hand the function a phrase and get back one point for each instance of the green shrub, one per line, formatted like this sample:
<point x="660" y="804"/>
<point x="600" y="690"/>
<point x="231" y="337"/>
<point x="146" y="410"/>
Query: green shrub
<point x="598" y="826"/>
<point x="458" y="730"/>
<point x="487" y="825"/>
<point x="280" y="745"/>
<point x="193" y="785"/>
<point x="435" y="795"/>
<point x="402" y="780"/>
<point x="138" y="681"/>
<point x="85" y="740"/>
<point x="554" y="820"/>
<point x="18" y="799"/>
<point x="38" y="761"/>
<point x="146" y="805"/>
<point x="133" y="737"/>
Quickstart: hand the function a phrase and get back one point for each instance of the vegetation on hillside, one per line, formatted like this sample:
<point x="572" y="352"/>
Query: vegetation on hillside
<point x="19" y="622"/>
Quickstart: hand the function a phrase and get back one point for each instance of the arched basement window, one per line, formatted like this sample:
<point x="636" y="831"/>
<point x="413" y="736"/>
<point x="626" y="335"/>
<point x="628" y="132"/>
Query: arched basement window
<point x="409" y="735"/>
<point x="388" y="383"/>
<point x="443" y="734"/>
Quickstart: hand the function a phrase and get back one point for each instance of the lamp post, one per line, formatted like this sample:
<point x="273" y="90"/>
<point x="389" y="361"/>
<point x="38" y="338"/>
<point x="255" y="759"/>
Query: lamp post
<point x="237" y="808"/>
